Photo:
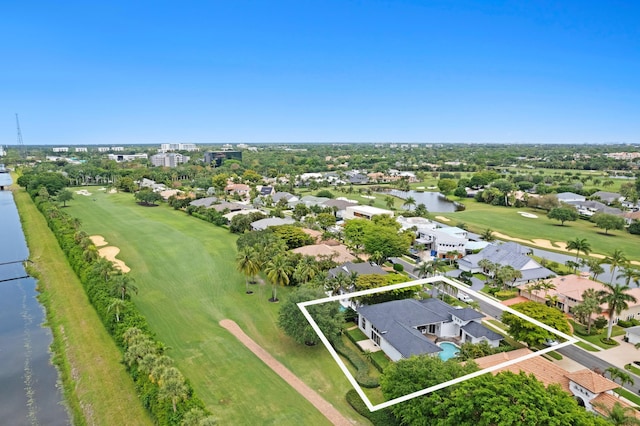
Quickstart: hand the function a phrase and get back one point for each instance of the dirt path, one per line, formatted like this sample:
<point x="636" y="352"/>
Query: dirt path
<point x="328" y="410"/>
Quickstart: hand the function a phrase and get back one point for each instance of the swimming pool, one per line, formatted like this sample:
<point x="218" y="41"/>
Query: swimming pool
<point x="449" y="350"/>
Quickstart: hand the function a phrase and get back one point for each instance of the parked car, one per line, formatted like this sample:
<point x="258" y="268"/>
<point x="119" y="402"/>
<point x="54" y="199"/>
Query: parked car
<point x="550" y="342"/>
<point x="464" y="297"/>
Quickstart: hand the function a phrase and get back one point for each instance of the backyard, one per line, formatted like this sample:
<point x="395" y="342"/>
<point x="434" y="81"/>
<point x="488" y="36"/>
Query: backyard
<point x="186" y="275"/>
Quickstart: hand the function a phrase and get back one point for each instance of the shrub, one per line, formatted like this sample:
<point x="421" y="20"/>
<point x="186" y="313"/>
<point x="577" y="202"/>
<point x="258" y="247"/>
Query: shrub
<point x="362" y="374"/>
<point x="382" y="417"/>
<point x="398" y="267"/>
<point x="609" y="342"/>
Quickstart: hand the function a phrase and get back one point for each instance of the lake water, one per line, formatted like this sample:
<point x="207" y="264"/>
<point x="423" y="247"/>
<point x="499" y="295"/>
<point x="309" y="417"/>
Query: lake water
<point x="29" y="392"/>
<point x="434" y="201"/>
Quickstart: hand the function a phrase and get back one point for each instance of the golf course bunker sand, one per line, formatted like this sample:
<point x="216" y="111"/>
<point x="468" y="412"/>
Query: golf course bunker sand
<point x="442" y="219"/>
<point x="98" y="240"/>
<point x="83" y="192"/>
<point x="109" y="252"/>
<point x="529" y="215"/>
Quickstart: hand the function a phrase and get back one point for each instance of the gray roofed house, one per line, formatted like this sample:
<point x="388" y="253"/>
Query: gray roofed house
<point x="568" y="197"/>
<point x="362" y="268"/>
<point x="507" y="254"/>
<point x="401" y="327"/>
<point x="311" y="200"/>
<point x="286" y="195"/>
<point x="607" y="197"/>
<point x="590" y="207"/>
<point x="232" y="207"/>
<point x="205" y="202"/>
<point x="263" y="224"/>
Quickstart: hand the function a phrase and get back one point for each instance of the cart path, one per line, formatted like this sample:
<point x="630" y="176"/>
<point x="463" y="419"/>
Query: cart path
<point x="328" y="410"/>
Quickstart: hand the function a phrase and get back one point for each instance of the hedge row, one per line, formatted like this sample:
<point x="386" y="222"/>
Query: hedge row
<point x="362" y="374"/>
<point x="97" y="276"/>
<point x="383" y="417"/>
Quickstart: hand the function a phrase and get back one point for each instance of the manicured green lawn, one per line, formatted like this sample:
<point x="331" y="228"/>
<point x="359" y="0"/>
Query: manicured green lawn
<point x="629" y="395"/>
<point x="586" y="347"/>
<point x="185" y="271"/>
<point x="507" y="220"/>
<point x="631" y="367"/>
<point x="580" y="331"/>
<point x="97" y="388"/>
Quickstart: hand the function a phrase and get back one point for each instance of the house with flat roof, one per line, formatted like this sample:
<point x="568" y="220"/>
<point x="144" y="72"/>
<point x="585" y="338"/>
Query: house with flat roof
<point x="402" y="328"/>
<point x="364" y="212"/>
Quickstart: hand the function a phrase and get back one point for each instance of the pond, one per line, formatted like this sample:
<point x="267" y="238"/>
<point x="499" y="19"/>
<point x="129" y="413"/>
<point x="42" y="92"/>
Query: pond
<point x="434" y="201"/>
<point x="30" y="393"/>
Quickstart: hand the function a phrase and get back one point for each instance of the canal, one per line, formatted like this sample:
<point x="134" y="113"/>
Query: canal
<point x="30" y="393"/>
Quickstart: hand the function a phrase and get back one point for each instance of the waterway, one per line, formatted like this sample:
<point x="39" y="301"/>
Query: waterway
<point x="434" y="201"/>
<point x="29" y="383"/>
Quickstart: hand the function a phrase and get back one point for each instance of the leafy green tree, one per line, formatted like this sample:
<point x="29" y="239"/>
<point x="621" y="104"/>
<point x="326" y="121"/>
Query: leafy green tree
<point x="579" y="245"/>
<point x="469" y="351"/>
<point x="447" y="185"/>
<point x="278" y="271"/>
<point x="64" y="195"/>
<point x="325" y="193"/>
<point x="328" y="316"/>
<point x="147" y="197"/>
<point x="525" y="331"/>
<point x="563" y="214"/>
<point x="608" y="221"/>
<point x="416" y="373"/>
<point x="617" y="298"/>
<point x="386" y="241"/>
<point x="510" y="399"/>
<point x="293" y="236"/>
<point x="460" y="192"/>
<point x="421" y="210"/>
<point x="355" y="231"/>
<point x="325" y="220"/>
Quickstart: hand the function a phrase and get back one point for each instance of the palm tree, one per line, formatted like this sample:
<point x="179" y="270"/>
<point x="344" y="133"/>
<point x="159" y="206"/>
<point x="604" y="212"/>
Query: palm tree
<point x="118" y="306"/>
<point x="595" y="267"/>
<point x="616" y="298"/>
<point x="305" y="270"/>
<point x="103" y="268"/>
<point x="618" y="414"/>
<point x="616" y="374"/>
<point x="579" y="245"/>
<point x="410" y="201"/>
<point x="377" y="257"/>
<point x="629" y="274"/>
<point x="277" y="270"/>
<point x="340" y="281"/>
<point x="487" y="235"/>
<point x="122" y="285"/>
<point x="389" y="201"/>
<point x="423" y="270"/>
<point x="615" y="260"/>
<point x="248" y="264"/>
<point x="590" y="305"/>
<point x="173" y="388"/>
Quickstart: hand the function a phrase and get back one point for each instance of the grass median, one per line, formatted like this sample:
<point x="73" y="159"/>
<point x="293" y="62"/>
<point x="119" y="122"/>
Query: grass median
<point x="97" y="388"/>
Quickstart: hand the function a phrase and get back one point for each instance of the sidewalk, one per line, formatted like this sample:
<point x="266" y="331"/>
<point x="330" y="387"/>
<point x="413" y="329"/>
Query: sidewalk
<point x="620" y="355"/>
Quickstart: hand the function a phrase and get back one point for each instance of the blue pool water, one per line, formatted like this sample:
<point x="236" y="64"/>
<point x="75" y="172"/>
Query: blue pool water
<point x="449" y="350"/>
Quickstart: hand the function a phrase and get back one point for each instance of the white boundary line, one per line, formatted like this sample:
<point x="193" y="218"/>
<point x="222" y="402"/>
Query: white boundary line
<point x="303" y="307"/>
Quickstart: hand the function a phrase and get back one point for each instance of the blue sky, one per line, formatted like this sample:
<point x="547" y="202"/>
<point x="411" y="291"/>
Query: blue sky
<point x="121" y="72"/>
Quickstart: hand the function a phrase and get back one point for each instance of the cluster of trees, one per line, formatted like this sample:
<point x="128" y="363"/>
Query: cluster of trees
<point x="379" y="237"/>
<point x="505" y="398"/>
<point x="165" y="393"/>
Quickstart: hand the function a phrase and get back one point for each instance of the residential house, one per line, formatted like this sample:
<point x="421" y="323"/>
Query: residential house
<point x="364" y="212"/>
<point x="632" y="335"/>
<point x="338" y="253"/>
<point x="441" y="244"/>
<point x="591" y="390"/>
<point x="607" y="197"/>
<point x="238" y="188"/>
<point x="262" y="224"/>
<point x="510" y="253"/>
<point x="362" y="268"/>
<point x="570" y="197"/>
<point x="206" y="202"/>
<point x="265" y="191"/>
<point x="231" y="207"/>
<point x="402" y="328"/>
<point x="590" y="207"/>
<point x="339" y="205"/>
<point x="310" y="200"/>
<point x="288" y="197"/>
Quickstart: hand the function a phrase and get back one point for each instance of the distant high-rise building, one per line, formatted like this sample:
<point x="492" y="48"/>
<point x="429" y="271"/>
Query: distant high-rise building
<point x="166" y="147"/>
<point x="168" y="159"/>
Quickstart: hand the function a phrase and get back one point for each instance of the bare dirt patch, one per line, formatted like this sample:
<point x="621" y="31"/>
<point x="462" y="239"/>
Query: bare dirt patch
<point x="110" y="253"/>
<point x="329" y="411"/>
<point x="442" y="219"/>
<point x="98" y="240"/>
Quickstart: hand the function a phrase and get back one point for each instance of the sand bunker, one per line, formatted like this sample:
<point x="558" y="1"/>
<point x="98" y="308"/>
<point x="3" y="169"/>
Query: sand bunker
<point x="98" y="240"/>
<point x="113" y="191"/>
<point x="110" y="254"/>
<point x="529" y="215"/>
<point x="83" y="192"/>
<point x="442" y="219"/>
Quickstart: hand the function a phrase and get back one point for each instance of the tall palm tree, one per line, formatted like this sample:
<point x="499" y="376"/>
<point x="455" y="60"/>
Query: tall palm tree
<point x="591" y="303"/>
<point x="595" y="267"/>
<point x="410" y="201"/>
<point x="173" y="388"/>
<point x="277" y="270"/>
<point x="579" y="245"/>
<point x="487" y="235"/>
<point x="247" y="263"/>
<point x="423" y="270"/>
<point x="615" y="260"/>
<point x="389" y="201"/>
<point x="630" y="274"/>
<point x="340" y="281"/>
<point x="305" y="270"/>
<point x="616" y="374"/>
<point x="616" y="298"/>
<point x="122" y="285"/>
<point x="117" y="305"/>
